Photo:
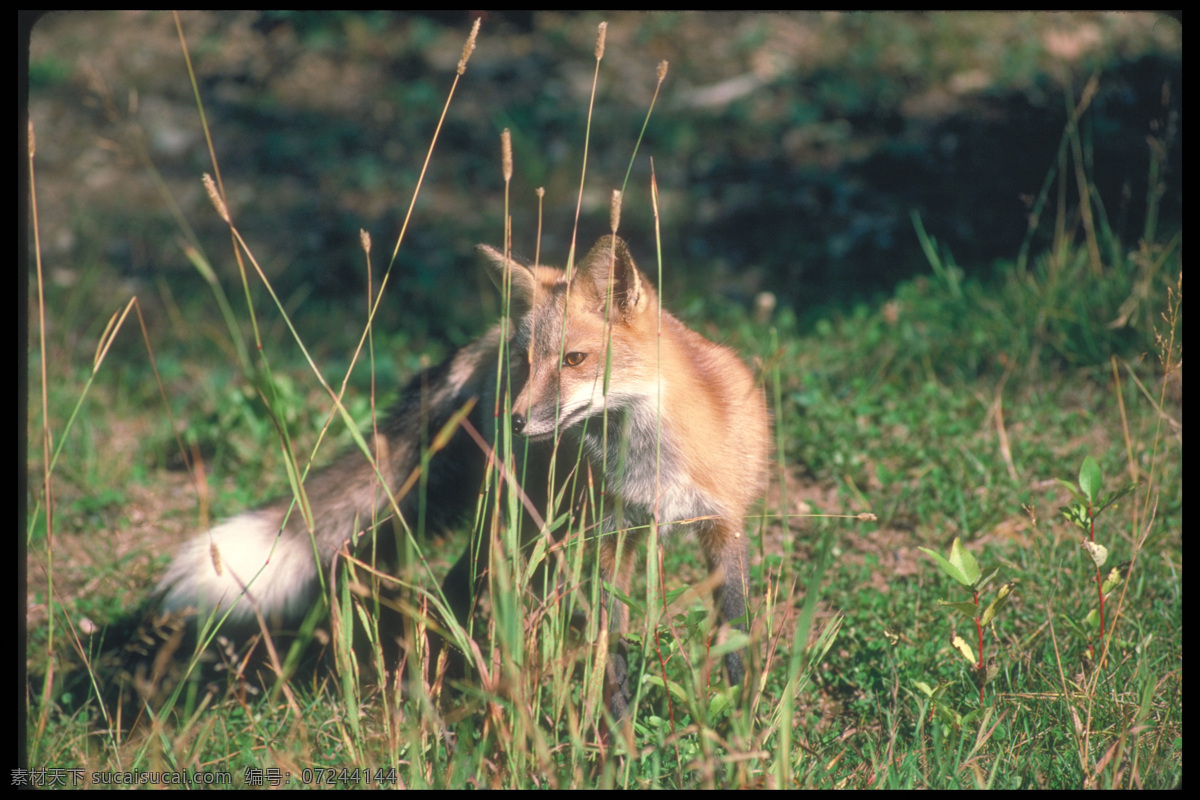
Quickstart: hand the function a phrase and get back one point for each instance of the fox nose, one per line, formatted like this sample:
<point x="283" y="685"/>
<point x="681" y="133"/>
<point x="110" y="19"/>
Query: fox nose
<point x="518" y="422"/>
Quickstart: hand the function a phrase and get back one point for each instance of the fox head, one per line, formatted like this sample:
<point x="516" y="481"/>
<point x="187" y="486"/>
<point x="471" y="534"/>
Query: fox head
<point x="580" y="341"/>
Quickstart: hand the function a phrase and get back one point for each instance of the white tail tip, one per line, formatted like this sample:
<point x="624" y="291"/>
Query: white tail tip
<point x="238" y="566"/>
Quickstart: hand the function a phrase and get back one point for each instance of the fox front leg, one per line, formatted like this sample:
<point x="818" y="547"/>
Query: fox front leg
<point x="724" y="547"/>
<point x="614" y="616"/>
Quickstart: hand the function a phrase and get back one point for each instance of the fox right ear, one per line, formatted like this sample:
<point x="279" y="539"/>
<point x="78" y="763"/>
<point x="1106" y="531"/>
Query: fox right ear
<point x="520" y="279"/>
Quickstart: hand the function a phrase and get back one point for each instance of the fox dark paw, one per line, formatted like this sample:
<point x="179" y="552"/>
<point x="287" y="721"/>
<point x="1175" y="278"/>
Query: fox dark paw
<point x="616" y="684"/>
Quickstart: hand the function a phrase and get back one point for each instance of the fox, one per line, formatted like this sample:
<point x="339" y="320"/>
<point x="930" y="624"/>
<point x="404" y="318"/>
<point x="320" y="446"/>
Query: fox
<point x="600" y="381"/>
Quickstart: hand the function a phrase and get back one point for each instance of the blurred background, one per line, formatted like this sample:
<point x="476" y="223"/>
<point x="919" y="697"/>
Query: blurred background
<point x="791" y="150"/>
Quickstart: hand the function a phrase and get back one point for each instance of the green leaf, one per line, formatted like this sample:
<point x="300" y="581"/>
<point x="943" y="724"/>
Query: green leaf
<point x="1072" y="488"/>
<point x="1090" y="479"/>
<point x="1076" y="514"/>
<point x="986" y="578"/>
<point x="961" y="566"/>
<point x="962" y="557"/>
<point x="720" y="702"/>
<point x="1002" y="598"/>
<point x="932" y="692"/>
<point x="954" y="572"/>
<point x="1114" y="578"/>
<point x="671" y="686"/>
<point x="948" y="715"/>
<point x="1112" y="581"/>
<point x="968" y="610"/>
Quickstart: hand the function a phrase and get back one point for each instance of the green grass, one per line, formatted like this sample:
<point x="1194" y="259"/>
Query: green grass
<point x="945" y="410"/>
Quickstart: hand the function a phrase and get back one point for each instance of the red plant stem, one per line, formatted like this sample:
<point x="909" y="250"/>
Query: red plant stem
<point x="979" y="630"/>
<point x="979" y="633"/>
<point x="1099" y="583"/>
<point x="979" y="666"/>
<point x="662" y="663"/>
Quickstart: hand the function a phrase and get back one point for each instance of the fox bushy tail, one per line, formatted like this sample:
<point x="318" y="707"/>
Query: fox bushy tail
<point x="270" y="560"/>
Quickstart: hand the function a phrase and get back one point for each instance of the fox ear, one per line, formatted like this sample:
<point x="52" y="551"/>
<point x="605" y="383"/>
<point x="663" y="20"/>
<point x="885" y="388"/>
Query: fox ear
<point x="520" y="278"/>
<point x="609" y="265"/>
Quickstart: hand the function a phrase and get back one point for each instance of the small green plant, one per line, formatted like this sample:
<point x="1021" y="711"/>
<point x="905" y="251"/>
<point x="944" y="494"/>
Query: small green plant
<point x="1083" y="513"/>
<point x="963" y="568"/>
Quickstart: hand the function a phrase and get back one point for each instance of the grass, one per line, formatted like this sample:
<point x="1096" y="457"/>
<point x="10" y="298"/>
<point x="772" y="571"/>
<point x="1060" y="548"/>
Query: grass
<point x="946" y="410"/>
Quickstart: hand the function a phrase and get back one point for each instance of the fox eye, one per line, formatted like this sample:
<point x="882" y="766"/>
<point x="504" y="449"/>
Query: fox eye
<point x="573" y="359"/>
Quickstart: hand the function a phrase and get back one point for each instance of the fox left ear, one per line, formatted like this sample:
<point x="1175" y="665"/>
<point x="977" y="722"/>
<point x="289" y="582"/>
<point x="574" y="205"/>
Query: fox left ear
<point x="609" y="265"/>
<point x="520" y="277"/>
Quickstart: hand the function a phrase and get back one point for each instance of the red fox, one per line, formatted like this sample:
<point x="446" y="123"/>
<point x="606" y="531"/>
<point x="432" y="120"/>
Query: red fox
<point x="684" y="447"/>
